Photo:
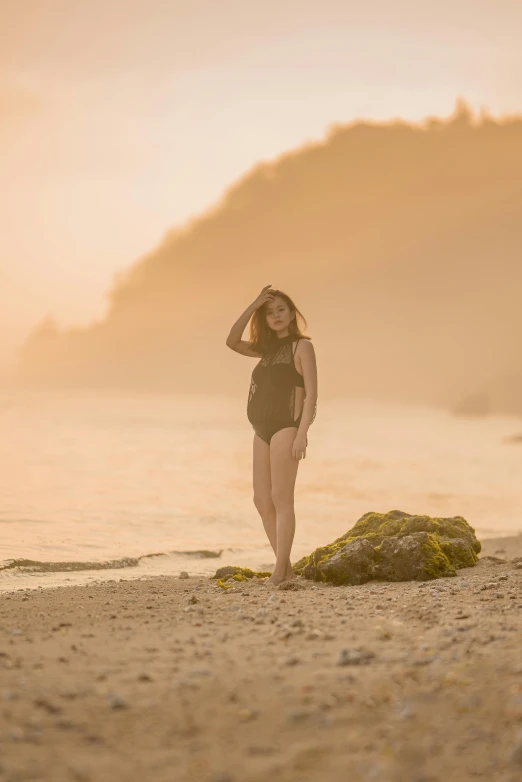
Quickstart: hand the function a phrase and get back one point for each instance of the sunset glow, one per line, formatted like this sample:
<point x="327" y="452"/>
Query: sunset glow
<point x="121" y="120"/>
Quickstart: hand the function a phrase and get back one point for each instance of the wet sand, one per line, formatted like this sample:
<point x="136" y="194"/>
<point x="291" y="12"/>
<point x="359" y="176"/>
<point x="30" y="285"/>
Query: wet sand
<point x="177" y="679"/>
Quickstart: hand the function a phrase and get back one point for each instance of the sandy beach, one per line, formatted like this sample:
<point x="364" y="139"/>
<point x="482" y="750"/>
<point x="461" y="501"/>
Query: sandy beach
<point x="178" y="679"/>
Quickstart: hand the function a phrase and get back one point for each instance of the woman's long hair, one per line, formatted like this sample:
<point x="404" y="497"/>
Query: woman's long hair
<point x="262" y="338"/>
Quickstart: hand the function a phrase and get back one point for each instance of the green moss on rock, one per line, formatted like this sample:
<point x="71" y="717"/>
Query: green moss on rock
<point x="236" y="573"/>
<point x="403" y="547"/>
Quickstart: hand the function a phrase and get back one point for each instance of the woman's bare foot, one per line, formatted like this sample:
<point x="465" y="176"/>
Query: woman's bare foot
<point x="274" y="581"/>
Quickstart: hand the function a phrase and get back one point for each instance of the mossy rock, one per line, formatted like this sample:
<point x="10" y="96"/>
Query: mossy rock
<point x="394" y="546"/>
<point x="236" y="573"/>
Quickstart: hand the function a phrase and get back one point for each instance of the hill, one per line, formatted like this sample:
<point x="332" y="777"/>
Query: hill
<point x="401" y="243"/>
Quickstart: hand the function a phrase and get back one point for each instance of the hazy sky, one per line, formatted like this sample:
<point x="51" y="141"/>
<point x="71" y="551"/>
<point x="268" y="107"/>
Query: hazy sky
<point x="121" y="118"/>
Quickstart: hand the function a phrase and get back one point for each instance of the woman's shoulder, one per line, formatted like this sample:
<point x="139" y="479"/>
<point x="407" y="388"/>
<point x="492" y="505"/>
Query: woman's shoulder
<point x="305" y="344"/>
<point x="304" y="351"/>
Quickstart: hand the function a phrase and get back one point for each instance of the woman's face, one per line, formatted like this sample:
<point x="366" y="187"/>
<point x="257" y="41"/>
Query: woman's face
<point x="278" y="315"/>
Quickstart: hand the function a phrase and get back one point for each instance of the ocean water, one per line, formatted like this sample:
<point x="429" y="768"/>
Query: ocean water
<point x="97" y="486"/>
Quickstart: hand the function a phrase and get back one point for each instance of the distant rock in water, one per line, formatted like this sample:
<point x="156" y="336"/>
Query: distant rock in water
<point x="473" y="404"/>
<point x="394" y="546"/>
<point x="514" y="439"/>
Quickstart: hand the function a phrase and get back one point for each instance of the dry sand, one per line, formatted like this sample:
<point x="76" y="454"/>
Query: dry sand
<point x="172" y="679"/>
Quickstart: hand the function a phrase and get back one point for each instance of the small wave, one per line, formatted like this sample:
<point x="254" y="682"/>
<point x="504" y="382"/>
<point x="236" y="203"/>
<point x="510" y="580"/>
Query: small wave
<point x="35" y="566"/>
<point x="203" y="553"/>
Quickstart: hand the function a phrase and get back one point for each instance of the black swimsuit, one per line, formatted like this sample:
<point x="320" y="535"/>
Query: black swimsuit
<point x="271" y="397"/>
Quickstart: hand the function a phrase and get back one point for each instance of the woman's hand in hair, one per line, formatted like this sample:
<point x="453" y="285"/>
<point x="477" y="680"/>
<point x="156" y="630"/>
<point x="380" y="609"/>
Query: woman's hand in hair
<point x="267" y="294"/>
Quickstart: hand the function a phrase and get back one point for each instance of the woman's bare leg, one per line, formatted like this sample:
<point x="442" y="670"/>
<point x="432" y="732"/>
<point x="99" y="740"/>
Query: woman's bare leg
<point x="283" y="473"/>
<point x="263" y="494"/>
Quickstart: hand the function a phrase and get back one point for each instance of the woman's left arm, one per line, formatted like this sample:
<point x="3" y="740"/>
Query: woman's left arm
<point x="309" y="366"/>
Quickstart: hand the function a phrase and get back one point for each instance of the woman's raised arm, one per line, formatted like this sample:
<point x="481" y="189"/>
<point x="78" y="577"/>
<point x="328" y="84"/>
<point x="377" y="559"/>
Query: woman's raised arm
<point x="234" y="340"/>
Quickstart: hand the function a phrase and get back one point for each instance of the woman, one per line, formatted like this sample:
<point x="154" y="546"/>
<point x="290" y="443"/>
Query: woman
<point x="282" y="402"/>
